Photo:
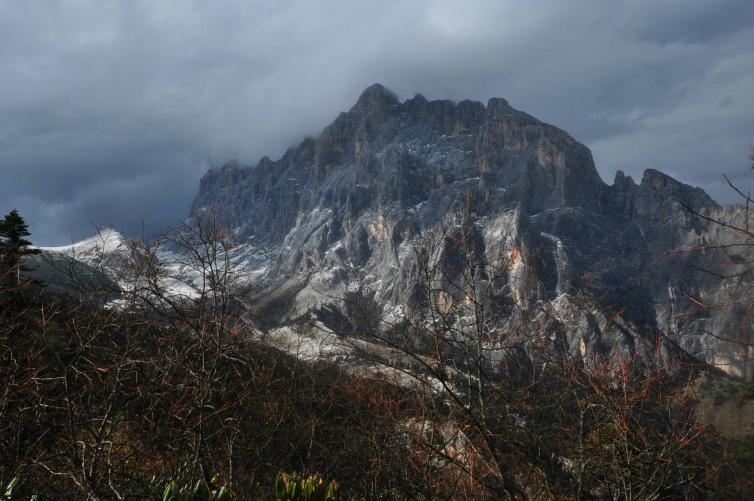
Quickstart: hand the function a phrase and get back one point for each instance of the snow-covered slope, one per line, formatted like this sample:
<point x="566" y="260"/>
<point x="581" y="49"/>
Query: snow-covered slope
<point x="179" y="273"/>
<point x="106" y="242"/>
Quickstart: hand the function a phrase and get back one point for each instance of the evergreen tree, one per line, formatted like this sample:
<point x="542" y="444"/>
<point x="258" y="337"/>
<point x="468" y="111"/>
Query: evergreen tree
<point x="13" y="246"/>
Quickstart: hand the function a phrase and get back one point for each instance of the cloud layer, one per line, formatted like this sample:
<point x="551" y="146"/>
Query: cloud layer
<point x="110" y="111"/>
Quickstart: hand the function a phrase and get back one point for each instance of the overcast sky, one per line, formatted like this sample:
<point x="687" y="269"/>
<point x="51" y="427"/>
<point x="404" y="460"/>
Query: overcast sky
<point x="113" y="110"/>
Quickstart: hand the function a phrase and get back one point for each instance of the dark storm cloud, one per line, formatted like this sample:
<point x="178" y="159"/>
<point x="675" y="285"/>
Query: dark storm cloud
<point x="110" y="110"/>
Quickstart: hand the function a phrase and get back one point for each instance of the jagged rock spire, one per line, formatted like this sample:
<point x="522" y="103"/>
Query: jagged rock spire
<point x="375" y="97"/>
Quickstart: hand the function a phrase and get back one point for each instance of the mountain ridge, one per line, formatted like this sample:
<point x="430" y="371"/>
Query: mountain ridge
<point x="371" y="108"/>
<point x="338" y="219"/>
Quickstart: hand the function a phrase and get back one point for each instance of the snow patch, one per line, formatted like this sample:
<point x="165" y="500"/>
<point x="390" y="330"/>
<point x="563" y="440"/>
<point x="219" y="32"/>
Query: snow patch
<point x="105" y="241"/>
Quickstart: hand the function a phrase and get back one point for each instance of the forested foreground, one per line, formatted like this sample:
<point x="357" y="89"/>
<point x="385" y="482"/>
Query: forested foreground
<point x="138" y="394"/>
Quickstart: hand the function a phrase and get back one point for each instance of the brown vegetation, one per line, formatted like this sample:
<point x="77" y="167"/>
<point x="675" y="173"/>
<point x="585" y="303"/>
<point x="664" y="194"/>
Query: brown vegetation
<point x="111" y="402"/>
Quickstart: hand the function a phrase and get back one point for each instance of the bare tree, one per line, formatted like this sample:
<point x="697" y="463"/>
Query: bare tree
<point x="513" y="415"/>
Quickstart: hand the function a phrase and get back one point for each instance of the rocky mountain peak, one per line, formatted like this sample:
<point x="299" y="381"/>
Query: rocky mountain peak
<point x="659" y="193"/>
<point x="375" y="97"/>
<point x="621" y="178"/>
<point x="497" y="106"/>
<point x="343" y="212"/>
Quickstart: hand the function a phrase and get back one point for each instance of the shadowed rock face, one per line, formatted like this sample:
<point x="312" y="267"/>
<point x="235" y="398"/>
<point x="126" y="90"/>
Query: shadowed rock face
<point x="345" y="213"/>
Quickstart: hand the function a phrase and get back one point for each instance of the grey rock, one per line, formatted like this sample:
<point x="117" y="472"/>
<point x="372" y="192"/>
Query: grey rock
<point x="348" y="214"/>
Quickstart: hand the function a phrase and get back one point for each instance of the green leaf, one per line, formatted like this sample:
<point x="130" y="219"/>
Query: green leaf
<point x="201" y="491"/>
<point x="223" y="495"/>
<point x="167" y="493"/>
<point x="280" y="488"/>
<point x="11" y="486"/>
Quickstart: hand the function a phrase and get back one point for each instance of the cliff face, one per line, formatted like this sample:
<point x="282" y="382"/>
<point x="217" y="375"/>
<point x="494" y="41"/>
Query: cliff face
<point x="384" y="153"/>
<point x="345" y="213"/>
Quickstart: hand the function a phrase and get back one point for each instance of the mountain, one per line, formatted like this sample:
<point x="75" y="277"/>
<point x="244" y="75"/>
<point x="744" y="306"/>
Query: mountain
<point x="598" y="269"/>
<point x="81" y="268"/>
<point x="107" y="260"/>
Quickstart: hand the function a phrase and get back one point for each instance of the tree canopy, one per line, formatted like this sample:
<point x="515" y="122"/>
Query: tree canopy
<point x="14" y="245"/>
